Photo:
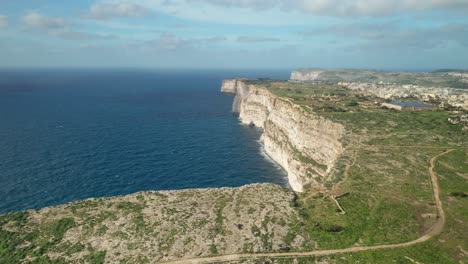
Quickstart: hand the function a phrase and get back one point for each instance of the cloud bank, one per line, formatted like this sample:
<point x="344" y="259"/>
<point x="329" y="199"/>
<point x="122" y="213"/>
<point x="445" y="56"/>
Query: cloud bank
<point x="3" y="21"/>
<point x="343" y="8"/>
<point x="106" y="11"/>
<point x="222" y="33"/>
<point x="255" y="39"/>
<point x="214" y="10"/>
<point x="391" y="36"/>
<point x="57" y="26"/>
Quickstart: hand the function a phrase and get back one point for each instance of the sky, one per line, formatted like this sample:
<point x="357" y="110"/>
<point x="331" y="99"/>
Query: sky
<point x="224" y="34"/>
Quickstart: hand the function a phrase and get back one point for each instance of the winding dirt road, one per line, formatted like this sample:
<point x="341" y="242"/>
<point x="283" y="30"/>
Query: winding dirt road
<point x="433" y="231"/>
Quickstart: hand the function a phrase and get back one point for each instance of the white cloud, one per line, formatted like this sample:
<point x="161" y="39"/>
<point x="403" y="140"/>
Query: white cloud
<point x="343" y="8"/>
<point x="232" y="12"/>
<point x="372" y="8"/>
<point x="105" y="11"/>
<point x="209" y="40"/>
<point x="3" y="21"/>
<point x="39" y="21"/>
<point x="57" y="26"/>
<point x="170" y="42"/>
<point x="255" y="39"/>
<point x="283" y="12"/>
<point x="391" y="36"/>
<point x="254" y="4"/>
<point x="165" y="42"/>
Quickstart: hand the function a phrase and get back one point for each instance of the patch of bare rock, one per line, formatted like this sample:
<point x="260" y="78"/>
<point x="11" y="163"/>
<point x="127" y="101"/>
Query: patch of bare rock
<point x="166" y="225"/>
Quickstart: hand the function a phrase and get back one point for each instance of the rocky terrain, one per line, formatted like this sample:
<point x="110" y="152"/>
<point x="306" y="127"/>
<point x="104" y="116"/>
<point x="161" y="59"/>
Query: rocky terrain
<point x="304" y="144"/>
<point x="155" y="226"/>
<point x="450" y="96"/>
<point x="446" y="87"/>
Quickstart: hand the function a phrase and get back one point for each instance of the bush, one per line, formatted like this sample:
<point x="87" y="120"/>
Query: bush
<point x="335" y="228"/>
<point x="459" y="194"/>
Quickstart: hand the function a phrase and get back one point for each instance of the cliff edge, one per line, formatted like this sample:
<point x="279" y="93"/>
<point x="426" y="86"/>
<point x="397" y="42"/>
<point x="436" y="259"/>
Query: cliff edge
<point x="154" y="227"/>
<point x="306" y="145"/>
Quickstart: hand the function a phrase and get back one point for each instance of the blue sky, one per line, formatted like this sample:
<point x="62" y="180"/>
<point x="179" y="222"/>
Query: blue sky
<point x="378" y="34"/>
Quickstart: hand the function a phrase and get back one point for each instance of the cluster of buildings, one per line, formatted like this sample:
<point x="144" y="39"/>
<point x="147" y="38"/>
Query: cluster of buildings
<point x="436" y="95"/>
<point x="463" y="75"/>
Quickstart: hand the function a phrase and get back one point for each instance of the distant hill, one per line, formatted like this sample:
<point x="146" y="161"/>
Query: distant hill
<point x="440" y="78"/>
<point x="450" y="70"/>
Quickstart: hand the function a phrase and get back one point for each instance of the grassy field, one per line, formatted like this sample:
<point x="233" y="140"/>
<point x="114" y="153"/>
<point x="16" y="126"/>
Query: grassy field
<point x="385" y="172"/>
<point x="319" y="98"/>
<point x="439" y="78"/>
<point x="449" y="247"/>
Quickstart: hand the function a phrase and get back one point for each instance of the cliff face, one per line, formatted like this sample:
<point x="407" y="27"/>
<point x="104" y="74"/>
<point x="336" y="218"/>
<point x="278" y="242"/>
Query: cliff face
<point x="229" y="86"/>
<point x="235" y="86"/>
<point x="304" y="144"/>
<point x="305" y="76"/>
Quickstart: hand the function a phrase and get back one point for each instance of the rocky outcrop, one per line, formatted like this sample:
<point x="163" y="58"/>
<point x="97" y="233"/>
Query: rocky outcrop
<point x="305" y="76"/>
<point x="235" y="86"/>
<point x="154" y="227"/>
<point x="304" y="144"/>
<point x="229" y="86"/>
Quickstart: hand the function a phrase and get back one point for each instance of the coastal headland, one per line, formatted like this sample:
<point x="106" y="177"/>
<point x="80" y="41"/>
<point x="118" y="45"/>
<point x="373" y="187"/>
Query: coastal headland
<point x="305" y="144"/>
<point x="369" y="185"/>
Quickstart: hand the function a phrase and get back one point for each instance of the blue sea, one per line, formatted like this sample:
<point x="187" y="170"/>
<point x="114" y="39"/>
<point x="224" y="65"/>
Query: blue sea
<point x="67" y="135"/>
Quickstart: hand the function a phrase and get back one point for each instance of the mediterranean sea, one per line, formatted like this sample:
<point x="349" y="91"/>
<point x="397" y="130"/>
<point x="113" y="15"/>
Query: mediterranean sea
<point x="67" y="135"/>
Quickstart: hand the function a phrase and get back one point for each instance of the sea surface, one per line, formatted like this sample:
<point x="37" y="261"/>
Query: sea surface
<point x="67" y="135"/>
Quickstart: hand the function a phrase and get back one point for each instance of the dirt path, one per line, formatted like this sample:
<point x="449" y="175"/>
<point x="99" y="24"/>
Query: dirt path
<point x="433" y="231"/>
<point x="407" y="146"/>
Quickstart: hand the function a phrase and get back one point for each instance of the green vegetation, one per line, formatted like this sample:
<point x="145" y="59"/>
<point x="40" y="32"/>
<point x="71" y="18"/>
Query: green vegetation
<point x="449" y="247"/>
<point x="219" y="225"/>
<point x="75" y="248"/>
<point x="213" y="249"/>
<point x="309" y="160"/>
<point x="420" y="128"/>
<point x="386" y="175"/>
<point x="130" y="207"/>
<point x="20" y="240"/>
<point x="95" y="258"/>
<point x="421" y="253"/>
<point x="453" y="173"/>
<point x="317" y="98"/>
<point x="59" y="228"/>
<point x="440" y="78"/>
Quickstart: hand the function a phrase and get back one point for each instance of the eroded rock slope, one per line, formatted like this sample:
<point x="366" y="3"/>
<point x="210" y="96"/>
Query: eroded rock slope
<point x="155" y="226"/>
<point x="306" y="145"/>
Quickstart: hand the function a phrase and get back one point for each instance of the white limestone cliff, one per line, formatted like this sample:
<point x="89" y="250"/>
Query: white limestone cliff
<point x="305" y="76"/>
<point x="304" y="144"/>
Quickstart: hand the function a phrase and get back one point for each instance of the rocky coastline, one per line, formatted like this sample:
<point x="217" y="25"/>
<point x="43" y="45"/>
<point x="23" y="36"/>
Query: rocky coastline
<point x="305" y="144"/>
